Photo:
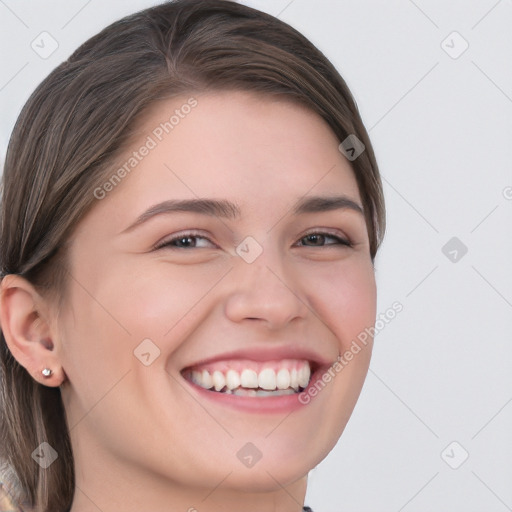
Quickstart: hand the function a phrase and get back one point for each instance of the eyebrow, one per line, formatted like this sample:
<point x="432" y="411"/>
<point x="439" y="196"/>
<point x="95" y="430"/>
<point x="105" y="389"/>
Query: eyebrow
<point x="226" y="209"/>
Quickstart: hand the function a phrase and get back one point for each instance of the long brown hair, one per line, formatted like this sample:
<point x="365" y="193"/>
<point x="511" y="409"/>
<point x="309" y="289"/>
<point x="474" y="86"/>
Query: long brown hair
<point x="66" y="141"/>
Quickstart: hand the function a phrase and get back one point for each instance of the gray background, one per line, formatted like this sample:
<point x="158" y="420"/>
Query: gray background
<point x="441" y="124"/>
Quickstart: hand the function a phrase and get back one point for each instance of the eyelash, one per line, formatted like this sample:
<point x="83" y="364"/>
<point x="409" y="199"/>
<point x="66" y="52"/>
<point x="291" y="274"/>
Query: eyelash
<point x="192" y="234"/>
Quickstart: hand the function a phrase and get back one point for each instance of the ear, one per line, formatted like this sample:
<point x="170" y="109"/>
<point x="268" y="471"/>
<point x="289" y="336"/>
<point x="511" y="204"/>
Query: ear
<point x="26" y="325"/>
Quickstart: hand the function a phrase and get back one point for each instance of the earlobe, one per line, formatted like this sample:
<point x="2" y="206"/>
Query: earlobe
<point x="25" y="324"/>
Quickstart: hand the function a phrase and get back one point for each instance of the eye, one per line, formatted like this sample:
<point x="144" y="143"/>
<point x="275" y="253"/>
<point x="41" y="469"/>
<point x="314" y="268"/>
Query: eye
<point x="192" y="240"/>
<point x="321" y="239"/>
<point x="189" y="240"/>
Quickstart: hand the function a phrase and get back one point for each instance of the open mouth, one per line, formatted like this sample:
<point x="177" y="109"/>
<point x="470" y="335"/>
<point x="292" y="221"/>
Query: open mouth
<point x="251" y="378"/>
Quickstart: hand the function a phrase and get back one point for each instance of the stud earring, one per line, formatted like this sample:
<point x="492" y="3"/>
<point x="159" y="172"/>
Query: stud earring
<point x="46" y="372"/>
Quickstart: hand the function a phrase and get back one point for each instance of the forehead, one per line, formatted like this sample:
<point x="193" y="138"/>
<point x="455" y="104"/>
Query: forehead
<point x="255" y="149"/>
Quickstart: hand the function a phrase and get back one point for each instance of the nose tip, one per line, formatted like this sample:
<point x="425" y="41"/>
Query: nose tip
<point x="261" y="293"/>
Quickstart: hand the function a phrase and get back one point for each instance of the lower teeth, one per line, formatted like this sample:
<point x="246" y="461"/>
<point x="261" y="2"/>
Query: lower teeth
<point x="259" y="392"/>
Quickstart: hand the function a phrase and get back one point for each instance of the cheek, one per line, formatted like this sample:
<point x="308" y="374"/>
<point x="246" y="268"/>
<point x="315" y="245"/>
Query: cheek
<point x="97" y="343"/>
<point x="344" y="296"/>
<point x="121" y="307"/>
<point x="160" y="301"/>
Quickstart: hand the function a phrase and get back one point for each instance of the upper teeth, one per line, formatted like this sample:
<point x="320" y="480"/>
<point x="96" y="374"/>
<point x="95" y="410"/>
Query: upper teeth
<point x="268" y="378"/>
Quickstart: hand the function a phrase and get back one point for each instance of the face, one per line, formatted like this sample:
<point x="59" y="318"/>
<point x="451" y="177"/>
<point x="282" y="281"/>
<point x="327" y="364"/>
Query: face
<point x="179" y="329"/>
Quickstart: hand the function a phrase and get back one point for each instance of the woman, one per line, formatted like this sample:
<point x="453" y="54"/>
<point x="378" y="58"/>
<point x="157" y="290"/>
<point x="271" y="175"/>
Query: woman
<point x="190" y="215"/>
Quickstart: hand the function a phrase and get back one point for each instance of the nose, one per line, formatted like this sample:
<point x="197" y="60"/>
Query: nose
<point x="266" y="292"/>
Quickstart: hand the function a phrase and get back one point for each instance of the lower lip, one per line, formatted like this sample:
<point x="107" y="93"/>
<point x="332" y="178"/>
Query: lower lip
<point x="260" y="404"/>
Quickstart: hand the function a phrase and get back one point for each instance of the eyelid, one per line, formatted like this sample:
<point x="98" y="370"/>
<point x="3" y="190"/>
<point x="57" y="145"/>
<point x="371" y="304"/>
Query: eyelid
<point x="181" y="234"/>
<point x="332" y="233"/>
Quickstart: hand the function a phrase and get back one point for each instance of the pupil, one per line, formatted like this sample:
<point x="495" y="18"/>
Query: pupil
<point x="186" y="241"/>
<point x="316" y="239"/>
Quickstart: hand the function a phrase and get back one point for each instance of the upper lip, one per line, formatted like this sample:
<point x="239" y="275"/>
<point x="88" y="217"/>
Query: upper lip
<point x="263" y="354"/>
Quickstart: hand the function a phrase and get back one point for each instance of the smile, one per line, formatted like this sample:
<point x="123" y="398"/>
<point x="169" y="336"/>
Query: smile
<point x="251" y="378"/>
